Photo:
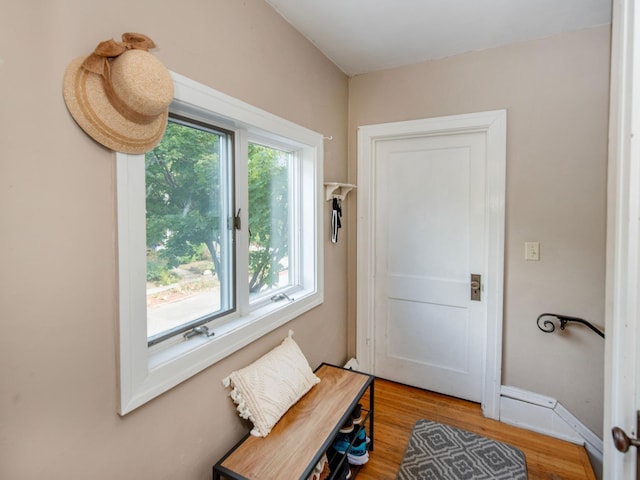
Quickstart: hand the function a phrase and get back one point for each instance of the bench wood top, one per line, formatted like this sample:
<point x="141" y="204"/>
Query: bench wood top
<point x="303" y="432"/>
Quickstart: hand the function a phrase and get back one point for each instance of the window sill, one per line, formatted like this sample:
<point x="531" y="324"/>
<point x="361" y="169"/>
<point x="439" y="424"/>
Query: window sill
<point x="169" y="366"/>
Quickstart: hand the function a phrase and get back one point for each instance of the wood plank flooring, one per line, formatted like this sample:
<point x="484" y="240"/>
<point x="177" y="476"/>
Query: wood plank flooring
<point x="398" y="407"/>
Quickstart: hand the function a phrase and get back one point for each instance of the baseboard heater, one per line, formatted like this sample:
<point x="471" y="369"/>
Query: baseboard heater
<point x="352" y="364"/>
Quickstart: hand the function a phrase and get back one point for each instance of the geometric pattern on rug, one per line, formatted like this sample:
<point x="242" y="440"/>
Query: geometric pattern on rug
<point x="436" y="451"/>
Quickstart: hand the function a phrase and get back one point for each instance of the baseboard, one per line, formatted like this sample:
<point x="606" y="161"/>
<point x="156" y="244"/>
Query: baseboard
<point x="546" y="415"/>
<point x="593" y="443"/>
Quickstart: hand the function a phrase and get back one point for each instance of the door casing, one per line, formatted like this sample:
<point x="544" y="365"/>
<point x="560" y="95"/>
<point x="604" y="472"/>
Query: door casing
<point x="622" y="343"/>
<point x="493" y="125"/>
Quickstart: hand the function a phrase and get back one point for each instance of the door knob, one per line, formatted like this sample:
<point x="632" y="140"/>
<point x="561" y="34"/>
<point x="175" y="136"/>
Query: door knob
<point x="622" y="441"/>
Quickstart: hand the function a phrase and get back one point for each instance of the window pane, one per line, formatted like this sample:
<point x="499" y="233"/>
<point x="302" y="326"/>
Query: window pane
<point x="188" y="239"/>
<point x="269" y="218"/>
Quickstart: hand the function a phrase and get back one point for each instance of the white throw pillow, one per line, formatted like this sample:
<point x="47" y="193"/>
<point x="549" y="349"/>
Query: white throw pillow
<point x="266" y="389"/>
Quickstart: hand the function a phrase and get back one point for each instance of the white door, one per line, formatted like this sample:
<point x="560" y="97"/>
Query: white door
<point x="429" y="236"/>
<point x="430" y="214"/>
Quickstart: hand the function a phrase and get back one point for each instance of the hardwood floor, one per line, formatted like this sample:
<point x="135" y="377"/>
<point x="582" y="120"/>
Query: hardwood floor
<point x="398" y="407"/>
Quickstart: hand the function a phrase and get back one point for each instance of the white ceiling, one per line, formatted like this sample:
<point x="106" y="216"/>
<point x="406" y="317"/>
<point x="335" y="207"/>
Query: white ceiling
<point x="362" y="36"/>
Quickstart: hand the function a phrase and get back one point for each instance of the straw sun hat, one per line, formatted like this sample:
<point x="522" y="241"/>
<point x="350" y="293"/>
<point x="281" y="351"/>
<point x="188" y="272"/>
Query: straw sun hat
<point x="120" y="94"/>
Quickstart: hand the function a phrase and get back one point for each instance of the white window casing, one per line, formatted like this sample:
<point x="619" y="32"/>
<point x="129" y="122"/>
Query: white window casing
<point x="146" y="372"/>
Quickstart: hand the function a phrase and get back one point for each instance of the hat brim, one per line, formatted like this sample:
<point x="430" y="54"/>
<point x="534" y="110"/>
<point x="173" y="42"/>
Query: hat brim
<point x="86" y="100"/>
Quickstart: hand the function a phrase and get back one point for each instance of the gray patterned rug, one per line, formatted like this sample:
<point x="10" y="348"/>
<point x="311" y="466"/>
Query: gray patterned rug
<point x="438" y="451"/>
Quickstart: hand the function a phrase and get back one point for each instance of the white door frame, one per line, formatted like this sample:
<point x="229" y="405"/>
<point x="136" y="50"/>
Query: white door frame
<point x="622" y="345"/>
<point x="494" y="125"/>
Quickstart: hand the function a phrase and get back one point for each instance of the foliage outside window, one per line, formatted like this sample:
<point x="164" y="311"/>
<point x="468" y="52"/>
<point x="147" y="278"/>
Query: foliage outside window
<point x="189" y="240"/>
<point x="269" y="219"/>
<point x="189" y="235"/>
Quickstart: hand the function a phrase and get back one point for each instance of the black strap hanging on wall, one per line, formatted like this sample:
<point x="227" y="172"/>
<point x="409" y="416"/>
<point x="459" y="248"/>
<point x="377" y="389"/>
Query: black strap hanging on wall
<point x="336" y="213"/>
<point x="336" y="193"/>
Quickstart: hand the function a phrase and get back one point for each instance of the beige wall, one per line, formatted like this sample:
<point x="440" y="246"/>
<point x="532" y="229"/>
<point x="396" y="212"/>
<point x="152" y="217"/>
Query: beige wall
<point x="58" y="390"/>
<point x="58" y="387"/>
<point x="556" y="93"/>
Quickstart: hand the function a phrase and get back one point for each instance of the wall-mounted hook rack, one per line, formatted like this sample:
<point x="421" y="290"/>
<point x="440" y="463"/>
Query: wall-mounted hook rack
<point x="337" y="190"/>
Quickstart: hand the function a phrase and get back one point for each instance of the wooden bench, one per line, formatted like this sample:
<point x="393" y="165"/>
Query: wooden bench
<point x="298" y="441"/>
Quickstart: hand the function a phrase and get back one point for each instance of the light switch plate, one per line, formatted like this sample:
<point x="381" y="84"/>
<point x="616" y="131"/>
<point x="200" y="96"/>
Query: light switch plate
<point x="532" y="251"/>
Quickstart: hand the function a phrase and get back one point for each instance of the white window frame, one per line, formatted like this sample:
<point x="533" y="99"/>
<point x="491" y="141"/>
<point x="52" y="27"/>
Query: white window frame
<point x="148" y="372"/>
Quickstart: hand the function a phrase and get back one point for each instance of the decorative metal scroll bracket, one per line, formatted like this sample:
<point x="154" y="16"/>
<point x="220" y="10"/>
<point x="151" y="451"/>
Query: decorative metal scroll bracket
<point x="548" y="326"/>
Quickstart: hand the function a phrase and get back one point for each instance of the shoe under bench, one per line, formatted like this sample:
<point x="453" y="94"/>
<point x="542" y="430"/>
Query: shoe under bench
<point x="298" y="441"/>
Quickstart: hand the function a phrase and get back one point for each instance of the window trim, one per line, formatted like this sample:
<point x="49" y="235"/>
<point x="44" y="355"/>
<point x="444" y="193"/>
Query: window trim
<point x="146" y="372"/>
